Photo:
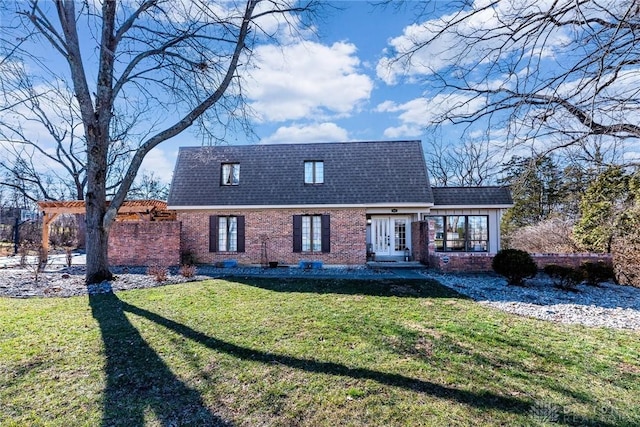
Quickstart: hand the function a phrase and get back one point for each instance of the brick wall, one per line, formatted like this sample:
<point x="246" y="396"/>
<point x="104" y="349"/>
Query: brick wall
<point x="569" y="260"/>
<point x="144" y="243"/>
<point x="459" y="262"/>
<point x="275" y="227"/>
<point x="419" y="241"/>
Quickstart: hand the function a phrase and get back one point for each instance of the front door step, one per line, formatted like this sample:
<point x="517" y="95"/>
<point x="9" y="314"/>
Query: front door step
<point x="396" y="264"/>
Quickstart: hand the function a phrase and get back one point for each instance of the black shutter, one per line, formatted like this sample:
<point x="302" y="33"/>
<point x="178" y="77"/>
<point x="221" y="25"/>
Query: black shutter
<point x="297" y="233"/>
<point x="240" y="224"/>
<point x="326" y="234"/>
<point x="213" y="233"/>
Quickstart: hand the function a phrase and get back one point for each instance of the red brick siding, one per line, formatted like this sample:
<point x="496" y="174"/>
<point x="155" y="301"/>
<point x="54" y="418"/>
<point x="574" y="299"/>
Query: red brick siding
<point x="420" y="241"/>
<point x="144" y="243"/>
<point x="275" y="226"/>
<point x="460" y="262"/>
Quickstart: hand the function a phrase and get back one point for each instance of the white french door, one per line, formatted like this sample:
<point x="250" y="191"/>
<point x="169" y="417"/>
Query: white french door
<point x="390" y="235"/>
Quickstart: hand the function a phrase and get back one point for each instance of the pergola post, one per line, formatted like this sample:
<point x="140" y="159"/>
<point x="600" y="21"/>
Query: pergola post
<point x="47" y="218"/>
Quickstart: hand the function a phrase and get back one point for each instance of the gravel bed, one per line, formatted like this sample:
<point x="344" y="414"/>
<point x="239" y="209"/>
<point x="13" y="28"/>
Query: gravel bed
<point x="608" y="305"/>
<point x="68" y="282"/>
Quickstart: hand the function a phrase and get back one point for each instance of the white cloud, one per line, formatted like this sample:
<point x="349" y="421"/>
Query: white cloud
<point x="431" y="46"/>
<point x="402" y="131"/>
<point x="158" y="162"/>
<point x="419" y="113"/>
<point x="307" y="80"/>
<point x="320" y="132"/>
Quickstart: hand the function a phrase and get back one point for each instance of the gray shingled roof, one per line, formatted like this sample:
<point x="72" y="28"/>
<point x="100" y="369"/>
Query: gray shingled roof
<point x="354" y="173"/>
<point x="471" y="196"/>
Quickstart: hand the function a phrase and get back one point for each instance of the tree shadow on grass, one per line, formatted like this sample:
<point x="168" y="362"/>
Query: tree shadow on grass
<point x="384" y="287"/>
<point x="138" y="380"/>
<point x="483" y="399"/>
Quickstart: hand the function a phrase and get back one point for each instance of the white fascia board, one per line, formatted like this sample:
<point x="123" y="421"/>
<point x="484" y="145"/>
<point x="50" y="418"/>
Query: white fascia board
<point x="325" y="206"/>
<point x="436" y="207"/>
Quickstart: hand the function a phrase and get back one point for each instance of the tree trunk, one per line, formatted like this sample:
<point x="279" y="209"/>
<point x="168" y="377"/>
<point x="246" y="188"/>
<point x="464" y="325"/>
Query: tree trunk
<point x="96" y="205"/>
<point x="97" y="247"/>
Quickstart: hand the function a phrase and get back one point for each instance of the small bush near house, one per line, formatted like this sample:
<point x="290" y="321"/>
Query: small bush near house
<point x="597" y="272"/>
<point x="515" y="265"/>
<point x="159" y="273"/>
<point x="188" y="270"/>
<point x="565" y="278"/>
<point x="187" y="257"/>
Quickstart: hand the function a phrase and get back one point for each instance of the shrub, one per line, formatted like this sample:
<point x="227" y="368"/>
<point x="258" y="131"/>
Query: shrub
<point x="551" y="235"/>
<point x="188" y="270"/>
<point x="515" y="265"/>
<point x="597" y="272"/>
<point x="69" y="256"/>
<point x="159" y="273"/>
<point x="187" y="257"/>
<point x="566" y="278"/>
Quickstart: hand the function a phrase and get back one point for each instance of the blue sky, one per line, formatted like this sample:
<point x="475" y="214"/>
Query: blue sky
<point x="350" y="42"/>
<point x="331" y="85"/>
<point x="338" y="84"/>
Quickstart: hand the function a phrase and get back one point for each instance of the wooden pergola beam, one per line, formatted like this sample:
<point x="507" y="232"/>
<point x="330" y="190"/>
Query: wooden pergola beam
<point x="130" y="209"/>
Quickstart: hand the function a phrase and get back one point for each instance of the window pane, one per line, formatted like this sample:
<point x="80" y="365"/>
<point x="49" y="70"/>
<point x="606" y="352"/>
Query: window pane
<point x="439" y="232"/>
<point x="317" y="235"/>
<point x="478" y="233"/>
<point x="306" y="234"/>
<point x="455" y="235"/>
<point x="222" y="234"/>
<point x="235" y="174"/>
<point x="400" y="231"/>
<point x="319" y="172"/>
<point x="308" y="172"/>
<point x="226" y="174"/>
<point x="233" y="234"/>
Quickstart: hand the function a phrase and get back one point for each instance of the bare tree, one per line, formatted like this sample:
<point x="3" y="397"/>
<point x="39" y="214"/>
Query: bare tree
<point x="149" y="186"/>
<point x="468" y="163"/>
<point x="554" y="73"/>
<point x="43" y="145"/>
<point x="152" y="60"/>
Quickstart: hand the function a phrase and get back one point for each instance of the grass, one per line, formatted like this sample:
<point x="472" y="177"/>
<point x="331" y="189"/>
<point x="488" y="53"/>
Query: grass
<point x="295" y="352"/>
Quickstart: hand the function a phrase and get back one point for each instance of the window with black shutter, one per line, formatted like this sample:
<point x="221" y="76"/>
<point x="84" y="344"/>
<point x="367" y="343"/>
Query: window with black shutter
<point x="311" y="233"/>
<point x="226" y="233"/>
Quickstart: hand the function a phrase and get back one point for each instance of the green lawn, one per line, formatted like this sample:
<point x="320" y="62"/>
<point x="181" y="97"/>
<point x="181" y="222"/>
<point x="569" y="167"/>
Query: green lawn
<point x="295" y="352"/>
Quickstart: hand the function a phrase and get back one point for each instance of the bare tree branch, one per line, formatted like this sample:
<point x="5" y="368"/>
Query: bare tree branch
<point x="562" y="71"/>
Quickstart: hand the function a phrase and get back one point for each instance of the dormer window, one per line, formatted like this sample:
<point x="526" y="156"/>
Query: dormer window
<point x="313" y="172"/>
<point x="230" y="173"/>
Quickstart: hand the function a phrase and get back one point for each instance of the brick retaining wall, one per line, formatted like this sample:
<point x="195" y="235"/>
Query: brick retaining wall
<point x="144" y="243"/>
<point x="471" y="262"/>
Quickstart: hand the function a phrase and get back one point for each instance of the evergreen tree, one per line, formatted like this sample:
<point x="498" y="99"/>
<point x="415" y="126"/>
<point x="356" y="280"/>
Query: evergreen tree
<point x="602" y="207"/>
<point x="537" y="190"/>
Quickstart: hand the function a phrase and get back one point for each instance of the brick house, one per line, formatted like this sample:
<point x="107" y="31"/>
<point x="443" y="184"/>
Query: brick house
<point x="338" y="203"/>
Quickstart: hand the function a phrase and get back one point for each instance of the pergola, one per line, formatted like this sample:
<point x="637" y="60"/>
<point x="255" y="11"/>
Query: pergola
<point x="131" y="210"/>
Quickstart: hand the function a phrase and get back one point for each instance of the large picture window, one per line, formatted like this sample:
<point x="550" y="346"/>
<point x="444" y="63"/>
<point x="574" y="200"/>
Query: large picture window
<point x="461" y="233"/>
